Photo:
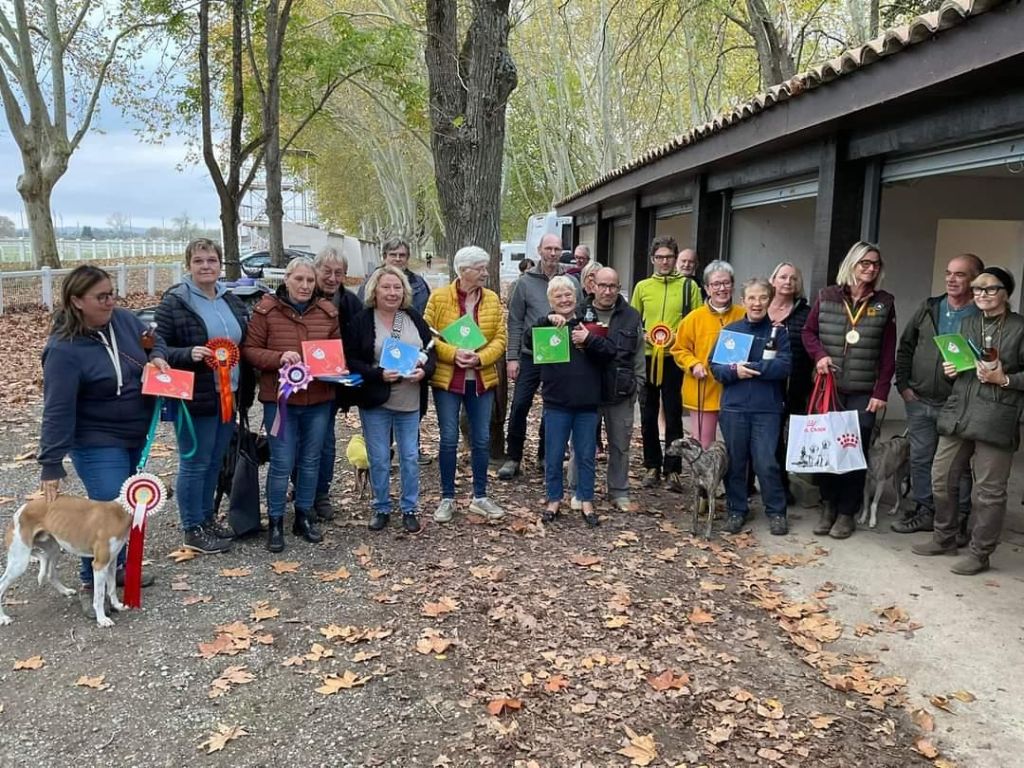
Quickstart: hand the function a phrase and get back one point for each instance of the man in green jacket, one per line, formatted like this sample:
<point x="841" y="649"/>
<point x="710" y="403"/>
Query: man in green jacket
<point x="924" y="388"/>
<point x="665" y="298"/>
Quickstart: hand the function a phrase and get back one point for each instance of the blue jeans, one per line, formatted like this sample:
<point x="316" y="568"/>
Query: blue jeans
<point x="197" y="477"/>
<point x="298" y="445"/>
<point x="103" y="470"/>
<point x="922" y="418"/>
<point x="753" y="436"/>
<point x="558" y="425"/>
<point x="378" y="424"/>
<point x="478" y="410"/>
<point x="527" y="384"/>
<point x="327" y="455"/>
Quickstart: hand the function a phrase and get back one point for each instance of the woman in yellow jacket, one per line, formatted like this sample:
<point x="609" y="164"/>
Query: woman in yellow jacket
<point x="466" y="377"/>
<point x="694" y="344"/>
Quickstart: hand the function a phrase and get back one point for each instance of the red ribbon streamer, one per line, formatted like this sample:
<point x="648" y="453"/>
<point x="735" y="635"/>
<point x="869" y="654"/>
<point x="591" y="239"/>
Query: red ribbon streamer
<point x="225" y="357"/>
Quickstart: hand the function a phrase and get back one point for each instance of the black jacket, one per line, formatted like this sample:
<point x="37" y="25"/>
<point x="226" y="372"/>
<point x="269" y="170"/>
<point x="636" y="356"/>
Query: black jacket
<point x="620" y="380"/>
<point x="182" y="328"/>
<point x="801" y="377"/>
<point x="576" y="385"/>
<point x="359" y="337"/>
<point x="349" y="306"/>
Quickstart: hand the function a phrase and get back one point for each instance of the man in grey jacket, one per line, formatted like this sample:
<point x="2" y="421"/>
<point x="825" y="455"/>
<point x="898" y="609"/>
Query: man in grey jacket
<point x="924" y="389"/>
<point x="529" y="303"/>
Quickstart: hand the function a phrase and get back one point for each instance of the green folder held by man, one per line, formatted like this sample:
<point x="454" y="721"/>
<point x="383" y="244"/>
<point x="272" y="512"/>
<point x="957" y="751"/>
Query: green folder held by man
<point x="551" y="345"/>
<point x="954" y="349"/>
<point x="464" y="333"/>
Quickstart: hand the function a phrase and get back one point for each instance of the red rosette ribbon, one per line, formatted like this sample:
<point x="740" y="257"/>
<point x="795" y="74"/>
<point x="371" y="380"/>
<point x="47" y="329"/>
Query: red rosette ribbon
<point x="225" y="357"/>
<point x="142" y="494"/>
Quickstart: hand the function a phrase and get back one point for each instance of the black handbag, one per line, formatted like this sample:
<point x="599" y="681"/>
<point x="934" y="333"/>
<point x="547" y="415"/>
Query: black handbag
<point x="244" y="497"/>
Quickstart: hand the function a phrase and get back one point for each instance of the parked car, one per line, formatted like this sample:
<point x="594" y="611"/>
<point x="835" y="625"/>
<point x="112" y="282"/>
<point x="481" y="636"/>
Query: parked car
<point x="249" y="290"/>
<point x="257" y="263"/>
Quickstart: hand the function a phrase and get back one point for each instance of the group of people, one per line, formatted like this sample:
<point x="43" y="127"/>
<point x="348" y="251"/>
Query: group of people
<point x="654" y="350"/>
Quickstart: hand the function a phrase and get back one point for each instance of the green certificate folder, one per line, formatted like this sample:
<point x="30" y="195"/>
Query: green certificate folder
<point x="464" y="333"/>
<point x="954" y="349"/>
<point x="551" y="345"/>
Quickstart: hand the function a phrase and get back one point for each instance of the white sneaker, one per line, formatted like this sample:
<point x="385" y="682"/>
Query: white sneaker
<point x="487" y="508"/>
<point x="623" y="504"/>
<point x="445" y="511"/>
<point x="575" y="504"/>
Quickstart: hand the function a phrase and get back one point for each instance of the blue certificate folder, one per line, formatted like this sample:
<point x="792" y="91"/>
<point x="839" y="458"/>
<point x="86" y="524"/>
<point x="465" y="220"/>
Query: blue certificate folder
<point x="398" y="356"/>
<point x="732" y="348"/>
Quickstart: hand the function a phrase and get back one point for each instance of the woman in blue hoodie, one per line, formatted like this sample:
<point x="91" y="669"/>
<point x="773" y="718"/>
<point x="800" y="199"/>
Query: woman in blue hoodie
<point x="752" y="409"/>
<point x="198" y="309"/>
<point x="93" y="408"/>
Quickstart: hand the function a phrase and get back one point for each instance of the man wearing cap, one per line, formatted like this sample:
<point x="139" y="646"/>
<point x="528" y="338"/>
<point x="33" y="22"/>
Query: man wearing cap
<point x="924" y="388"/>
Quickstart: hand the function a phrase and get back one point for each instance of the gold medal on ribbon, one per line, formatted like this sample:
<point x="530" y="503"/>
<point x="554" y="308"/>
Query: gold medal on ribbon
<point x="659" y="336"/>
<point x="853" y="336"/>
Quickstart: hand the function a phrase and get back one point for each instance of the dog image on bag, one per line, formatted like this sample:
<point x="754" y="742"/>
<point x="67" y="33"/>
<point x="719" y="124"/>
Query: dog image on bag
<point x="81" y="527"/>
<point x="708" y="469"/>
<point x="888" y="467"/>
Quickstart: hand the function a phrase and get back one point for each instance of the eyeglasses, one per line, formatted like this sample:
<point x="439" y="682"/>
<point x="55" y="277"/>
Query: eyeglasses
<point x="663" y="256"/>
<point x="478" y="268"/>
<point x="103" y="298"/>
<point x="396" y="255"/>
<point x="607" y="286"/>
<point x="720" y="285"/>
<point x="988" y="290"/>
<point x="870" y="263"/>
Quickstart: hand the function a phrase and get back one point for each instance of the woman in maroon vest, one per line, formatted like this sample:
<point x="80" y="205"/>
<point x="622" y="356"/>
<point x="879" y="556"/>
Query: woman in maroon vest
<point x="851" y="331"/>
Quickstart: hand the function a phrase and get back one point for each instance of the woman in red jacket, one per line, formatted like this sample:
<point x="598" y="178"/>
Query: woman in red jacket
<point x="279" y="325"/>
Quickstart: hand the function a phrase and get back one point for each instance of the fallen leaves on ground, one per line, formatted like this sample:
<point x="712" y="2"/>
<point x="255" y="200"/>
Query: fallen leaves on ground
<point x="497" y="706"/>
<point x="33" y="662"/>
<point x="262" y="611"/>
<point x="234" y="573"/>
<point x="284" y="566"/>
<point x="699" y="616"/>
<point x="926" y="748"/>
<point x="340" y="574"/>
<point x="923" y="719"/>
<point x="351" y="634"/>
<point x="432" y="641"/>
<point x="444" y="605"/>
<point x="585" y="560"/>
<point x="231" y="676"/>
<point x="182" y="555"/>
<point x="668" y="680"/>
<point x="219" y="738"/>
<point x="334" y="683"/>
<point x="641" y="750"/>
<point x="96" y="683"/>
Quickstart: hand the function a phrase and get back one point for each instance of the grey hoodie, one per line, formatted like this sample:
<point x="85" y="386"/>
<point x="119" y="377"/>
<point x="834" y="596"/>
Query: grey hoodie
<point x="529" y="303"/>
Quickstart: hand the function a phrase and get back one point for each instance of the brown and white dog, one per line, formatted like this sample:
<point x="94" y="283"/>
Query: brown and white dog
<point x="82" y="527"/>
<point x="708" y="469"/>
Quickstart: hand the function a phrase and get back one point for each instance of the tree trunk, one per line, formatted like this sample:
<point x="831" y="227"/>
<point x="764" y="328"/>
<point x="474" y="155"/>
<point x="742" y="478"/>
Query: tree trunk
<point x="229" y="220"/>
<point x="470" y="83"/>
<point x="35" y="193"/>
<point x="272" y="127"/>
<point x="772" y="47"/>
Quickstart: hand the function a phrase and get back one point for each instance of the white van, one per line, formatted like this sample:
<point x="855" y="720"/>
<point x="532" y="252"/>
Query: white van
<point x="511" y="255"/>
<point x="541" y="224"/>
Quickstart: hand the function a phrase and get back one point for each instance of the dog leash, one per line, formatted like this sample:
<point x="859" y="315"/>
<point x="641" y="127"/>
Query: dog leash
<point x="701" y="387"/>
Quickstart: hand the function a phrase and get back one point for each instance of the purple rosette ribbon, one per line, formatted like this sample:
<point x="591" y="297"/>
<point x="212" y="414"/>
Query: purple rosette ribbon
<point x="292" y="378"/>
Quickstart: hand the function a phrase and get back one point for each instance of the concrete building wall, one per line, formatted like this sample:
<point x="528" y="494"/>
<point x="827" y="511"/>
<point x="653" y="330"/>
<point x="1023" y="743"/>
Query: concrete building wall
<point x="761" y="237"/>
<point x="588" y="236"/>
<point x="620" y="250"/>
<point x="680" y="227"/>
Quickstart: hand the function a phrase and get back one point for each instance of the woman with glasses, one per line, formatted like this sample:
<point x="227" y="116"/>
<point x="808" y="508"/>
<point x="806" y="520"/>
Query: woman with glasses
<point x="93" y="408"/>
<point x="694" y="345"/>
<point x="851" y="331"/>
<point x="979" y="426"/>
<point x="466" y="378"/>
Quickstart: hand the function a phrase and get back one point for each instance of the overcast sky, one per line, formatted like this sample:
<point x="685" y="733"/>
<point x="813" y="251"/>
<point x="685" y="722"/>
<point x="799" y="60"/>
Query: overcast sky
<point x="116" y="172"/>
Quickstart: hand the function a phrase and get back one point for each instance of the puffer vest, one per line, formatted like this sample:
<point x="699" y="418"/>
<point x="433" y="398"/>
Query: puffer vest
<point x="858" y="363"/>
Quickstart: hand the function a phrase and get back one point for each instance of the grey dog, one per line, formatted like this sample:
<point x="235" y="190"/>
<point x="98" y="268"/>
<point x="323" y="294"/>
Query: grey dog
<point x="708" y="468"/>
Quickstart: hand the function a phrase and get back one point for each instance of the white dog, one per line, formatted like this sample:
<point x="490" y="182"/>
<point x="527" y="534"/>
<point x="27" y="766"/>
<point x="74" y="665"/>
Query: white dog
<point x="888" y="467"/>
<point x="96" y="529"/>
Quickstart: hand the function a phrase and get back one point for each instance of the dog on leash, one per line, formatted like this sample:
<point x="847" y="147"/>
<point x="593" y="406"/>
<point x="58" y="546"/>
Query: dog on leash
<point x="888" y="467"/>
<point x="356" y="455"/>
<point x="708" y="468"/>
<point x="82" y="527"/>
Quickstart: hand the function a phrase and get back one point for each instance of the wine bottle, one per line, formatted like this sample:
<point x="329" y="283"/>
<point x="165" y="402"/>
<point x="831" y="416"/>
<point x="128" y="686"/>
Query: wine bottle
<point x="590" y="316"/>
<point x="989" y="354"/>
<point x="771" y="347"/>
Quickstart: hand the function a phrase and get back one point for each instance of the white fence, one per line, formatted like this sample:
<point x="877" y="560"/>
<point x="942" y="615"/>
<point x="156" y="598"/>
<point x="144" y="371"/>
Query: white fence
<point x="20" y="290"/>
<point x="19" y="249"/>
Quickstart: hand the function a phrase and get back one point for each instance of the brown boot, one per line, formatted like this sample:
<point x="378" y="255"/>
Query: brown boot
<point x="826" y="519"/>
<point x="970" y="564"/>
<point x="843" y="527"/>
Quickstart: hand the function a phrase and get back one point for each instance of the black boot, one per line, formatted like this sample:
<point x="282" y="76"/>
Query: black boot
<point x="275" y="535"/>
<point x="305" y="526"/>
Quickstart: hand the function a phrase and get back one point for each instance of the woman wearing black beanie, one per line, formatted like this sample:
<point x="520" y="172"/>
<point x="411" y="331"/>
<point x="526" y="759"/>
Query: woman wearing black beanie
<point x="979" y="425"/>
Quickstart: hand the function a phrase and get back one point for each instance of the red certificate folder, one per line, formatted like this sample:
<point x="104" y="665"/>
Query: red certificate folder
<point x="324" y="357"/>
<point x="170" y="383"/>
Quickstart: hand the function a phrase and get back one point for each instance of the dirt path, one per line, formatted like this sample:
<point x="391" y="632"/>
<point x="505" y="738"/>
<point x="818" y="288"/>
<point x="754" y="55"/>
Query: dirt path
<point x="468" y="644"/>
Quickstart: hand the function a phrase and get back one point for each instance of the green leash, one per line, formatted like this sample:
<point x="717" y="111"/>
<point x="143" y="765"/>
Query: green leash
<point x="182" y="423"/>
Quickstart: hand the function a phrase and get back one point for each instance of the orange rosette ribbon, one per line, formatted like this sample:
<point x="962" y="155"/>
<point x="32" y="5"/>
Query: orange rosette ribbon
<point x="660" y="335"/>
<point x="225" y="357"/>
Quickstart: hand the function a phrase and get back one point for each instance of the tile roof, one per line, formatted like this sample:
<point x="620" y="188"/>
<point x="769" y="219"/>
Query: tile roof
<point x="950" y="14"/>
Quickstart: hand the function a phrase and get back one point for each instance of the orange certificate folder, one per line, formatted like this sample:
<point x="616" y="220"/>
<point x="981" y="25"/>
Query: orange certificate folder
<point x="325" y="357"/>
<point x="170" y="383"/>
